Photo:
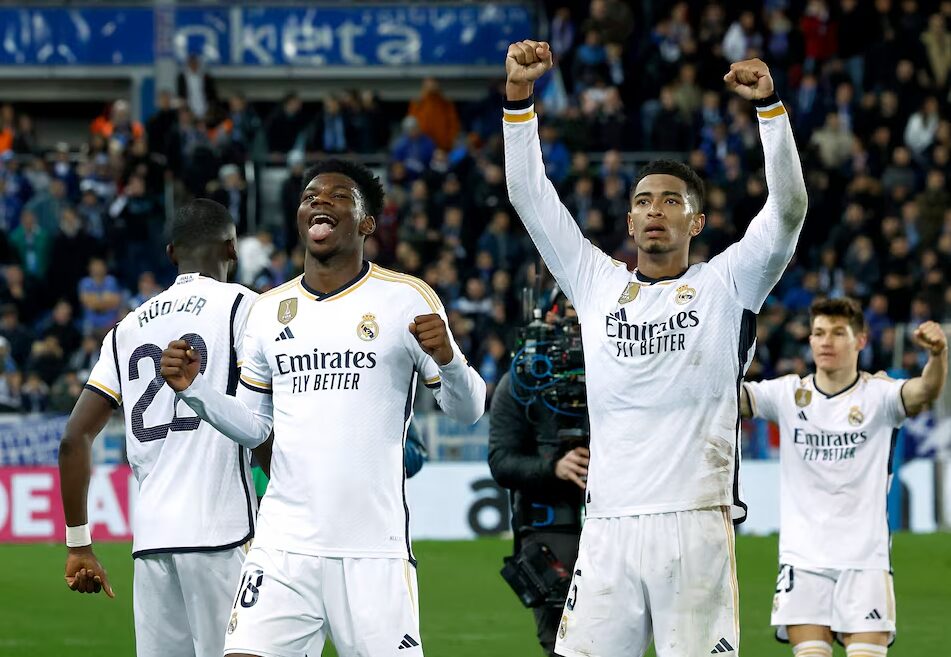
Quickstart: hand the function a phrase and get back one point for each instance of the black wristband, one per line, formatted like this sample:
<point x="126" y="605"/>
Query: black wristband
<point x="519" y="104"/>
<point x="771" y="99"/>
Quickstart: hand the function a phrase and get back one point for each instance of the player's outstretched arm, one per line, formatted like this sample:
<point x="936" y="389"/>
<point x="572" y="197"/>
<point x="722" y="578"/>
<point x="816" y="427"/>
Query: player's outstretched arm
<point x="461" y="391"/>
<point x="246" y="419"/>
<point x="920" y="392"/>
<point x="83" y="573"/>
<point x="758" y="260"/>
<point x="569" y="256"/>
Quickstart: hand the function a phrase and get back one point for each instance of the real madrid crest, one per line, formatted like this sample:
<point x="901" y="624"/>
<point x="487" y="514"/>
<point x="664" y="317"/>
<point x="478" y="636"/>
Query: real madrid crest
<point x="803" y="397"/>
<point x="685" y="294"/>
<point x="368" y="329"/>
<point x="856" y="417"/>
<point x="287" y="310"/>
<point x="563" y="627"/>
<point x="629" y="294"/>
<point x="233" y="623"/>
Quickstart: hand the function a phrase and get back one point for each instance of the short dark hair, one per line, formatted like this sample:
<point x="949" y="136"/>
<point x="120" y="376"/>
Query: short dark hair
<point x="845" y="307"/>
<point x="369" y="185"/>
<point x="201" y="222"/>
<point x="676" y="169"/>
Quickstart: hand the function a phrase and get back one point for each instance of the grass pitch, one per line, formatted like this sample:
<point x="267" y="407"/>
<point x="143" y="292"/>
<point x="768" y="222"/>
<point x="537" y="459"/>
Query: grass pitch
<point x="467" y="610"/>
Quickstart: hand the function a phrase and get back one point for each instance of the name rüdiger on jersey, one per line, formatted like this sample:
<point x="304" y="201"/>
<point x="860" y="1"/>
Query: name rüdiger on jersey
<point x="649" y="338"/>
<point x="307" y="367"/>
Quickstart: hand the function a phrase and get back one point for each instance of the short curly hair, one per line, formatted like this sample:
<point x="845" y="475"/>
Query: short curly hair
<point x="369" y="185"/>
<point x="676" y="169"/>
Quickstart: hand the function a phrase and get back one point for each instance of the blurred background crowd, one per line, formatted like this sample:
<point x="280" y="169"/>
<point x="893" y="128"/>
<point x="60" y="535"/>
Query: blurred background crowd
<point x="866" y="84"/>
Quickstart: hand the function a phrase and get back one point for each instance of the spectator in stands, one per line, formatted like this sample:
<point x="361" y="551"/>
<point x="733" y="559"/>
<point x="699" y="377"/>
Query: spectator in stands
<point x="286" y="124"/>
<point x="147" y="288"/>
<point x="72" y="248"/>
<point x="7" y="127"/>
<point x="32" y="245"/>
<point x="137" y="223"/>
<point x="34" y="393"/>
<point x="82" y="361"/>
<point x="833" y="141"/>
<point x="197" y="87"/>
<point x="117" y="127"/>
<point x="19" y="338"/>
<point x="47" y="359"/>
<point x="371" y="132"/>
<point x="62" y="327"/>
<point x="937" y="45"/>
<point x="435" y="114"/>
<point x="611" y="18"/>
<point x="161" y="123"/>
<point x="47" y="205"/>
<point x="741" y="40"/>
<point x="414" y="150"/>
<point x="101" y="299"/>
<point x="290" y="199"/>
<point x="506" y="249"/>
<point x="245" y="129"/>
<point x="10" y="401"/>
<point x="231" y="191"/>
<point x="331" y="133"/>
<point x="922" y="127"/>
<point x="65" y="392"/>
<point x="24" y="139"/>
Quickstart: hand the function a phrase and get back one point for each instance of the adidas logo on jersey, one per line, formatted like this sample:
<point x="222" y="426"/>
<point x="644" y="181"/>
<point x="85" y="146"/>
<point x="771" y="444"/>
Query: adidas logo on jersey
<point x="408" y="642"/>
<point x="284" y="335"/>
<point x="874" y="615"/>
<point x="722" y="646"/>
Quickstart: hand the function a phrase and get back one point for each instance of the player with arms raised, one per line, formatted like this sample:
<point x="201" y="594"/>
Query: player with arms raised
<point x="837" y="430"/>
<point x="331" y="361"/>
<point x="665" y="349"/>
<point x="195" y="509"/>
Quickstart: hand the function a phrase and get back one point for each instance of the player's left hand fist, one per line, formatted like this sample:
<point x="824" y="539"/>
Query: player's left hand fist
<point x="750" y="79"/>
<point x="431" y="334"/>
<point x="930" y="336"/>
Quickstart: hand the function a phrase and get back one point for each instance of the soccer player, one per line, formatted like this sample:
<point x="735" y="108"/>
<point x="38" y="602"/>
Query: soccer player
<point x="331" y="361"/>
<point x="195" y="508"/>
<point x="837" y="430"/>
<point x="665" y="348"/>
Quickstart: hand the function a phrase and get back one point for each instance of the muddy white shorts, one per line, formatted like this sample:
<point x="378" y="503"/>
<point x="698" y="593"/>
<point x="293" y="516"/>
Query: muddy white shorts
<point x="666" y="576"/>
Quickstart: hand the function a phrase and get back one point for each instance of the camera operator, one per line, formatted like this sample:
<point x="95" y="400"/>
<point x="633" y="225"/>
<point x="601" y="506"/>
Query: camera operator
<point x="545" y="467"/>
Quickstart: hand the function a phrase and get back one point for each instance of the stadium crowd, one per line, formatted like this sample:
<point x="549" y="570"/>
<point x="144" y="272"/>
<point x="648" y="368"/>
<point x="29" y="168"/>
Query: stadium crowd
<point x="866" y="83"/>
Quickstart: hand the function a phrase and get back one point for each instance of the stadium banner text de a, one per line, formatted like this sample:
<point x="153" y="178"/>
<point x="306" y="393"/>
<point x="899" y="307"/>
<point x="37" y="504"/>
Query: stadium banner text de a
<point x="31" y="510"/>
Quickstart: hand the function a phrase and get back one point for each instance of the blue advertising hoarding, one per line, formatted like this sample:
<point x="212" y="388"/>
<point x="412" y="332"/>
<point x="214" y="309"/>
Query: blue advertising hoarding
<point x="362" y="35"/>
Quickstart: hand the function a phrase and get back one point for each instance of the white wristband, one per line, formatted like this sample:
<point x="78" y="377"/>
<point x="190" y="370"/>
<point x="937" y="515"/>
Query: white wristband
<point x="78" y="536"/>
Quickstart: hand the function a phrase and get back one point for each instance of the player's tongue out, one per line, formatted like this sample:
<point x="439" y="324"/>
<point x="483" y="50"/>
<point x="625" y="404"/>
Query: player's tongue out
<point x="319" y="231"/>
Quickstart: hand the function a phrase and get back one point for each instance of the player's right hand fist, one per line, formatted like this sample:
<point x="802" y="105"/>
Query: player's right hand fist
<point x="85" y="574"/>
<point x="180" y="365"/>
<point x="525" y="62"/>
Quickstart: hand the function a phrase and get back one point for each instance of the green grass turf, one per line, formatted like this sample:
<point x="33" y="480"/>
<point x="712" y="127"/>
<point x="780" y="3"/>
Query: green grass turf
<point x="467" y="610"/>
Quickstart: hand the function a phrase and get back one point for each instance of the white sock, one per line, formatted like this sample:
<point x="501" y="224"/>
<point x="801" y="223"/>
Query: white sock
<point x="866" y="650"/>
<point x="812" y="649"/>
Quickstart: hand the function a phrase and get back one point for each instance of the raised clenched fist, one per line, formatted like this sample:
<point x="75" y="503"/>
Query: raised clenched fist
<point x="750" y="79"/>
<point x="525" y="62"/>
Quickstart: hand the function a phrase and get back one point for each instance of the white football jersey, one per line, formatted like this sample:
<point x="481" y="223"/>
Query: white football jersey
<point x="342" y="369"/>
<point x="663" y="359"/>
<point x="195" y="490"/>
<point x="835" y="465"/>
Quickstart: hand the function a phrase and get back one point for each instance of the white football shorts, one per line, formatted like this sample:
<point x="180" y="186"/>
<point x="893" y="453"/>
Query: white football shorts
<point x="182" y="601"/>
<point x="670" y="577"/>
<point x="288" y="604"/>
<point x="846" y="601"/>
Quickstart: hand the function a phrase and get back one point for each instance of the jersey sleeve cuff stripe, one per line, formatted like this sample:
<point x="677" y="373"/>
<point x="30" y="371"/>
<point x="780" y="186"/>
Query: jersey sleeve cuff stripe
<point x="250" y="386"/>
<point x="765" y="103"/>
<point x="517" y="106"/>
<point x="106" y="389"/>
<point x="518" y="117"/>
<point x="771" y="113"/>
<point x="102" y="393"/>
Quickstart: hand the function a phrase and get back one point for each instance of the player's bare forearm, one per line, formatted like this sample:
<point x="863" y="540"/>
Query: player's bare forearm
<point x="85" y="422"/>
